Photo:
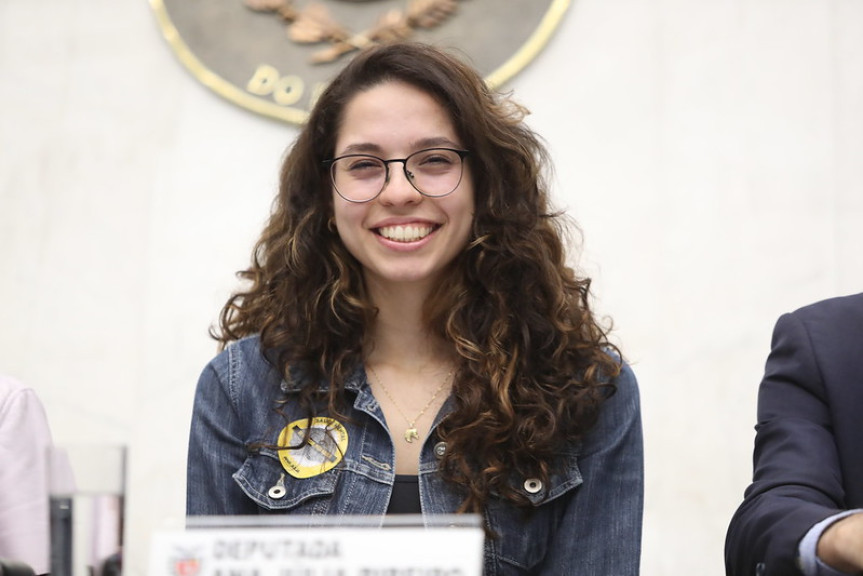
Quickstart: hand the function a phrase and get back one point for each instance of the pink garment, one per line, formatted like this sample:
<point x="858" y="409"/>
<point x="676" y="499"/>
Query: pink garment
<point x="24" y="437"/>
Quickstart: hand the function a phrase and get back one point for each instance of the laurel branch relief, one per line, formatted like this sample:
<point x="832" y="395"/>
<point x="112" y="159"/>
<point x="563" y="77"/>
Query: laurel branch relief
<point x="313" y="24"/>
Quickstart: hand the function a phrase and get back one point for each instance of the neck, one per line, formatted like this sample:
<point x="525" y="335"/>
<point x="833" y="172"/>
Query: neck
<point x="399" y="343"/>
<point x="400" y="336"/>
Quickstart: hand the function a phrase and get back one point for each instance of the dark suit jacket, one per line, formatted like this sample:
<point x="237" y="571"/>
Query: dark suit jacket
<point x="809" y="437"/>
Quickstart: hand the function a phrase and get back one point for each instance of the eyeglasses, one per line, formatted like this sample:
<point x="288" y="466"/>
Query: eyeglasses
<point x="433" y="172"/>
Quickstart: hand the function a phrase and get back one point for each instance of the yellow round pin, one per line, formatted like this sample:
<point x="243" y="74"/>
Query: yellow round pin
<point x="326" y="442"/>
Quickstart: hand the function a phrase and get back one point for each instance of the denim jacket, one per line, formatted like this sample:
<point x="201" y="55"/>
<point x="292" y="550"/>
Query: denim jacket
<point x="586" y="521"/>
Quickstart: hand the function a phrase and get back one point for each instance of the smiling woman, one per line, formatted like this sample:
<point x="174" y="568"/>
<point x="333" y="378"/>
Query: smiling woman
<point x="411" y="333"/>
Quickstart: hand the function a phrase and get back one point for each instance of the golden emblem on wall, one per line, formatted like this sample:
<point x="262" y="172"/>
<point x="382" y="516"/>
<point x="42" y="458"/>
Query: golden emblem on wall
<point x="274" y="57"/>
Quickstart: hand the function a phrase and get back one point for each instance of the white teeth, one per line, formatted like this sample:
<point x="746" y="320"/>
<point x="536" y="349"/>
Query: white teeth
<point x="410" y="233"/>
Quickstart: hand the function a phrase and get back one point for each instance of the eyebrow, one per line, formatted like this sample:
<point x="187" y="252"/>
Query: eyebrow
<point x="421" y="144"/>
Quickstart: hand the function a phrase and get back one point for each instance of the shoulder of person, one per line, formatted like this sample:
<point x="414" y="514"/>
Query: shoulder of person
<point x="243" y="360"/>
<point x="832" y="323"/>
<point x="838" y="307"/>
<point x="245" y="350"/>
<point x="9" y="386"/>
<point x="12" y="390"/>
<point x="619" y="414"/>
<point x="625" y="381"/>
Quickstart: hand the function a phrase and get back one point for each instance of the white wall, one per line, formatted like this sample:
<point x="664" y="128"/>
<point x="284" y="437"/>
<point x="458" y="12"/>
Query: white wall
<point x="712" y="151"/>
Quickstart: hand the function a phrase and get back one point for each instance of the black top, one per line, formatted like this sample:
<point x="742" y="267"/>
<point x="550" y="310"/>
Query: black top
<point x="406" y="495"/>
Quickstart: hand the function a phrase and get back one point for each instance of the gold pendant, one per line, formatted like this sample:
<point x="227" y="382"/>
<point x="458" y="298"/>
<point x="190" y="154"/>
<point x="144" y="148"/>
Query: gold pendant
<point x="411" y="434"/>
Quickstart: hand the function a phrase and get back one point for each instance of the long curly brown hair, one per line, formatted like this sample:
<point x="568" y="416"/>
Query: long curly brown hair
<point x="534" y="364"/>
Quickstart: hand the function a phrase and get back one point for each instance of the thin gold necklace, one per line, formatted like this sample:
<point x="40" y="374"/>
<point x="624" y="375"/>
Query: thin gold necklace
<point x="411" y="433"/>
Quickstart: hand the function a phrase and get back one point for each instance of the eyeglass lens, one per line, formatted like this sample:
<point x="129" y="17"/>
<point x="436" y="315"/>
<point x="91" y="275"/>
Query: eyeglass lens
<point x="432" y="172"/>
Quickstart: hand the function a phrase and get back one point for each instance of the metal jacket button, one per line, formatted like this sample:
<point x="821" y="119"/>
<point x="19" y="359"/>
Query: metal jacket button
<point x="532" y="485"/>
<point x="440" y="450"/>
<point x="278" y="491"/>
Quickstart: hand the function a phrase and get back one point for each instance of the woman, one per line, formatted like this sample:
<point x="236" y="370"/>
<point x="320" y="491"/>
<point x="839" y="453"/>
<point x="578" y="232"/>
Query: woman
<point x="411" y="340"/>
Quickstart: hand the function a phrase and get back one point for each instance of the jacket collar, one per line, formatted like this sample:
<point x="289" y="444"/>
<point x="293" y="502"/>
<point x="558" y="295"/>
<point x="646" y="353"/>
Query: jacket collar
<point x="299" y="379"/>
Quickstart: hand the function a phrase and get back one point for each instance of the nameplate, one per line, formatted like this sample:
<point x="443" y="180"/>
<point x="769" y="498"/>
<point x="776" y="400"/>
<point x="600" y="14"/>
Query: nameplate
<point x="318" y="551"/>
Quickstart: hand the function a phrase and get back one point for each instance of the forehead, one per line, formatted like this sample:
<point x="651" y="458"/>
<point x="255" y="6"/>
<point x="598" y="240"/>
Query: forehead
<point x="393" y="116"/>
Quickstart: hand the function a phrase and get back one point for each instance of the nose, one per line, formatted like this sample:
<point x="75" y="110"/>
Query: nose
<point x="397" y="188"/>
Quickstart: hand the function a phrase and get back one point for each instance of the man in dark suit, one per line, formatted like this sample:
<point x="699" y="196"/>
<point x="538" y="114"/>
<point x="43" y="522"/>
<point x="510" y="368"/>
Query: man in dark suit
<point x="803" y="512"/>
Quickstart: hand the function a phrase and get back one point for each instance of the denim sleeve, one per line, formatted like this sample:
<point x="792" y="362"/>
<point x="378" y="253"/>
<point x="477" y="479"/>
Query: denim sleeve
<point x="217" y="446"/>
<point x="600" y="533"/>
<point x="810" y="564"/>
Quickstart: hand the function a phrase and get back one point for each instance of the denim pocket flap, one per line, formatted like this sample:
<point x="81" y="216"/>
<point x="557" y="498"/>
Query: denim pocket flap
<point x="567" y="477"/>
<point x="510" y="524"/>
<point x="265" y="481"/>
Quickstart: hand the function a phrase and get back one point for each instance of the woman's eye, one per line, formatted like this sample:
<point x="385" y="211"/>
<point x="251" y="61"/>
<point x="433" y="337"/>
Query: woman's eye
<point x="364" y="165"/>
<point x="437" y="160"/>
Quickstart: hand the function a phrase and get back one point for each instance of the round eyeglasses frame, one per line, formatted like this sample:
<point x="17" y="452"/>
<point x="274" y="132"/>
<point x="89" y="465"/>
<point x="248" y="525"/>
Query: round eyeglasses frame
<point x="462" y="154"/>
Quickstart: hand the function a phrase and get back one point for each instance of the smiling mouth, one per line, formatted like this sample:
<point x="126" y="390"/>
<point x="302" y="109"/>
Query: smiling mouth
<point x="409" y="233"/>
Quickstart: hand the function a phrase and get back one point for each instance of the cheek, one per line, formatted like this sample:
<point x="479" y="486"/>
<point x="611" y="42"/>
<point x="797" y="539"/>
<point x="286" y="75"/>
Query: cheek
<point x="461" y="219"/>
<point x="340" y="212"/>
<point x="347" y="220"/>
<point x="469" y="197"/>
<point x="466" y="207"/>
